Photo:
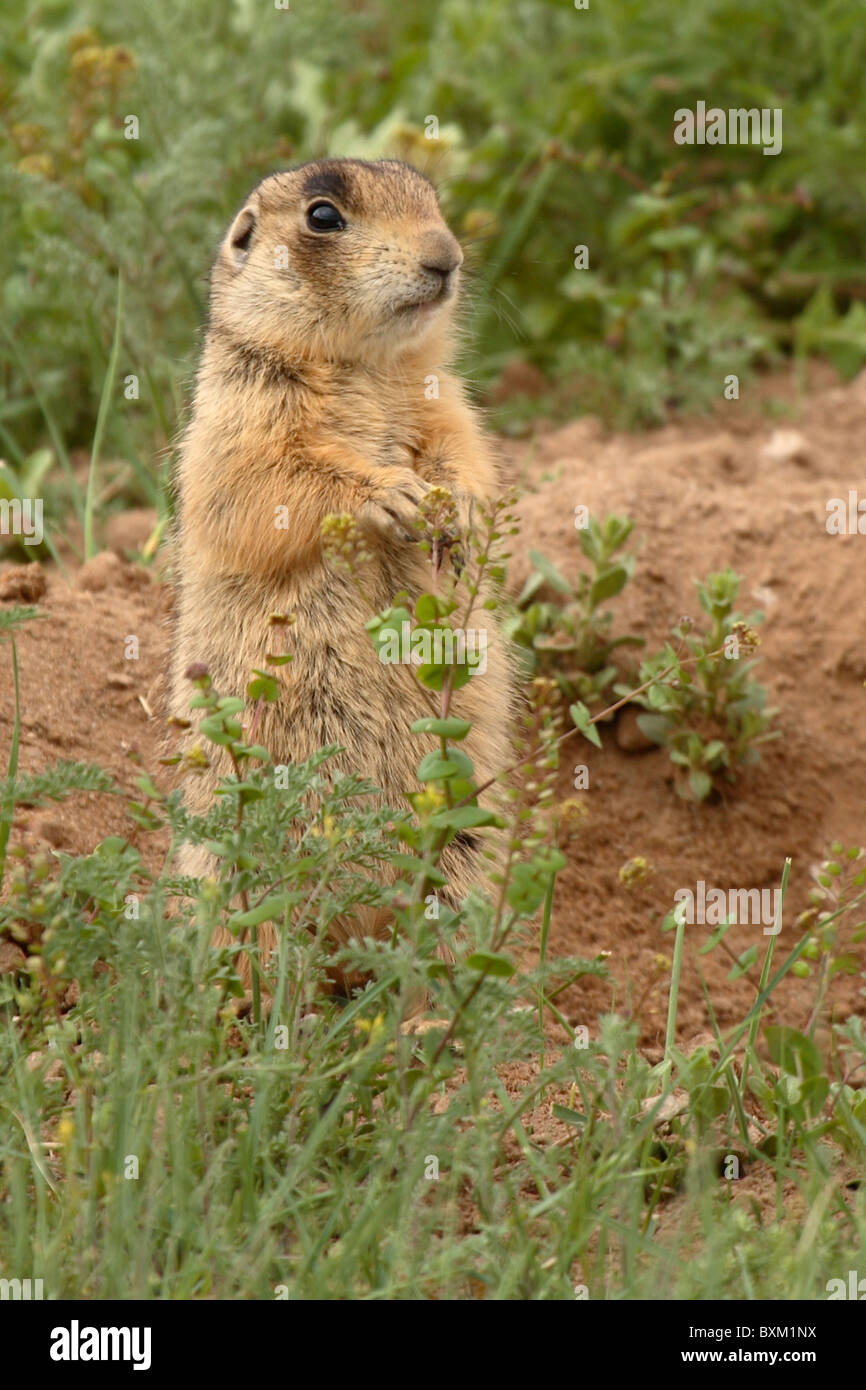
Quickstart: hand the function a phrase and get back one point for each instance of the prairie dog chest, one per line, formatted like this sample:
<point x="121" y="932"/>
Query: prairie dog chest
<point x="386" y="422"/>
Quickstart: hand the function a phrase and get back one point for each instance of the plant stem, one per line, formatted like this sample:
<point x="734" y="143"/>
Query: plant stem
<point x="102" y="416"/>
<point x="12" y="769"/>
<point x="765" y="975"/>
<point x="545" y="931"/>
<point x="679" y="942"/>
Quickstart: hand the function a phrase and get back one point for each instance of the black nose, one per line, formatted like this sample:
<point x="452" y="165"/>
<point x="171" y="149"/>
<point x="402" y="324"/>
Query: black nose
<point x="440" y="253"/>
<point x="443" y="271"/>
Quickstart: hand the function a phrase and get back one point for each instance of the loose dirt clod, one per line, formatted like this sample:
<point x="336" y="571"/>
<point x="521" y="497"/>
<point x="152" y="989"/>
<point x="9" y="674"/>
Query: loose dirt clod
<point x="22" y="583"/>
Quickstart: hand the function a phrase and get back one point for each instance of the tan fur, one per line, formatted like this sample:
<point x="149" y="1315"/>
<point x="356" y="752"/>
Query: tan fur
<point x="311" y="395"/>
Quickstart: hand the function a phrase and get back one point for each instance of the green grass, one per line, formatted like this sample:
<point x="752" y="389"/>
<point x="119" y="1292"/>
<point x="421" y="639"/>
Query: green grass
<point x="306" y="1167"/>
<point x="157" y="1146"/>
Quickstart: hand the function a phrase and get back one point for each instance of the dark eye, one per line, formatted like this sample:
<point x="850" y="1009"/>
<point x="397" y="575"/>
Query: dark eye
<point x="324" y="217"/>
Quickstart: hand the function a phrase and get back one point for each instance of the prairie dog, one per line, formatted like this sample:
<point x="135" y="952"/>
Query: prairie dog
<point x="331" y="307"/>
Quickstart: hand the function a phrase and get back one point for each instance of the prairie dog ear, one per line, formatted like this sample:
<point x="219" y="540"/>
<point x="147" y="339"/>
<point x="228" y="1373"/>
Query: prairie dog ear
<point x="239" y="239"/>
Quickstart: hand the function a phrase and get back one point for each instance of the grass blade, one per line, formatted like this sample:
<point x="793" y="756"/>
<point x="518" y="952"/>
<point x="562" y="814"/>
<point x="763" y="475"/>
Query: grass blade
<point x="102" y="416"/>
<point x="8" y="812"/>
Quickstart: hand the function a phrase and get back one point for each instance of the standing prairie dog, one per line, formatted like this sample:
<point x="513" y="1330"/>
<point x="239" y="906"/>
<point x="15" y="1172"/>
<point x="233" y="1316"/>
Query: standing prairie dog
<point x="331" y="304"/>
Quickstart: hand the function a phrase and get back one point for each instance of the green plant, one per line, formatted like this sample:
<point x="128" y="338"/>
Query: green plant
<point x="20" y="485"/>
<point x="158" y="1148"/>
<point x="790" y="1080"/>
<point x="701" y="262"/>
<point x="836" y="921"/>
<point x="710" y="715"/>
<point x="568" y="637"/>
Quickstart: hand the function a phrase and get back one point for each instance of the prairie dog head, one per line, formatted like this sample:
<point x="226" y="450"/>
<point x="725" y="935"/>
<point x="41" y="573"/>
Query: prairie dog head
<point x="337" y="260"/>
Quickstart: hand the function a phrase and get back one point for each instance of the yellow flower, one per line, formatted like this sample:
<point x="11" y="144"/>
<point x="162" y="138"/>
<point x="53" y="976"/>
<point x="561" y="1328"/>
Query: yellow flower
<point x="374" y="1027"/>
<point x="637" y="870"/>
<point x="428" y="802"/>
<point x="87" y="57"/>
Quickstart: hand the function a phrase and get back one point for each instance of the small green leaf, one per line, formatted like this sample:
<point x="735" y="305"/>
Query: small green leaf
<point x="715" y="938"/>
<point x="410" y="864"/>
<point x="13" y="618"/>
<point x="427" y="609"/>
<point x="254" y="750"/>
<point x="793" y="1051"/>
<point x="221" y="731"/>
<point x="265" y="687"/>
<point x="571" y="1117"/>
<point x="490" y="964"/>
<point x="551" y="574"/>
<point x="608" y="584"/>
<point x="654" y="726"/>
<point x="434" y="767"/>
<point x="231" y="704"/>
<point x="583" y="720"/>
<point x="464" y="818"/>
<point x="112" y="844"/>
<point x="744" y="962"/>
<point x="145" y="784"/>
<point x="443" y="728"/>
<point x="700" y="784"/>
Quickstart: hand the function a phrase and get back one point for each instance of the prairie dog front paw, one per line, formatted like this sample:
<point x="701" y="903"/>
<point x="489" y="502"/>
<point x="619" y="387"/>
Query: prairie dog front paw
<point x="393" y="507"/>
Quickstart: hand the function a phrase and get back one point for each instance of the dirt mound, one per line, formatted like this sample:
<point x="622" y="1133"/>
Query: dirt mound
<point x="87" y="667"/>
<point x="751" y="494"/>
<point x="739" y="490"/>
